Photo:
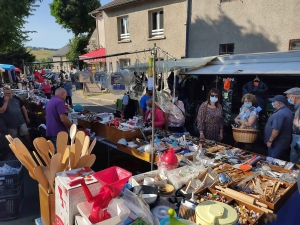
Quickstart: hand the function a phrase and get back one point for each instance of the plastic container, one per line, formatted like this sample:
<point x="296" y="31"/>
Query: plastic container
<point x="10" y="184"/>
<point x="115" y="176"/>
<point x="117" y="209"/>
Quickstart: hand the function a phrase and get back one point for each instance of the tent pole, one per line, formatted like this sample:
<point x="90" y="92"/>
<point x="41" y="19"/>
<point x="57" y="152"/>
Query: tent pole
<point x="154" y="52"/>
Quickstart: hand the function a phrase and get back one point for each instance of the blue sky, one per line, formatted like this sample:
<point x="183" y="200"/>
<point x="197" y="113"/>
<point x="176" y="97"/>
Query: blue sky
<point x="48" y="33"/>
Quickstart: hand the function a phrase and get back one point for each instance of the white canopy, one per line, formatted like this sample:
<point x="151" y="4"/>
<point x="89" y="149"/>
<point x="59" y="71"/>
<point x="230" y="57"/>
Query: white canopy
<point x="259" y="63"/>
<point x="171" y="65"/>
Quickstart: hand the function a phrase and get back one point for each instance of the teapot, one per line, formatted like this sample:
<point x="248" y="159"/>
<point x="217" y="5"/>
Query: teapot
<point x="170" y="157"/>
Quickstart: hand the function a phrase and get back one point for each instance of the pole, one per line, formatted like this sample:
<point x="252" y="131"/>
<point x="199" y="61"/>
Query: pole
<point x="154" y="52"/>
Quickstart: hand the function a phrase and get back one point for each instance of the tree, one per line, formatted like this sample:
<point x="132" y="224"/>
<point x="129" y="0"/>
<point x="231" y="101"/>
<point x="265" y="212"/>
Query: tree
<point x="73" y="15"/>
<point x="15" y="57"/>
<point x="12" y="19"/>
<point x="77" y="47"/>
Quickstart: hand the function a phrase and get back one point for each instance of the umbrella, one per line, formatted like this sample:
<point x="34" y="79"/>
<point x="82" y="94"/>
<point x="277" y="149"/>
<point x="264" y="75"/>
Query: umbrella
<point x="18" y="70"/>
<point x="6" y="66"/>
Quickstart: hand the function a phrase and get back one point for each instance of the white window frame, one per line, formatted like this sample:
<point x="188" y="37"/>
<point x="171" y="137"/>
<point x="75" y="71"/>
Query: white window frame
<point x="160" y="31"/>
<point x="126" y="35"/>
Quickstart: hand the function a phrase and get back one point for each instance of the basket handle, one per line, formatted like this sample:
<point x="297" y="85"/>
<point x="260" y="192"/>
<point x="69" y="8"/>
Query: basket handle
<point x="243" y="125"/>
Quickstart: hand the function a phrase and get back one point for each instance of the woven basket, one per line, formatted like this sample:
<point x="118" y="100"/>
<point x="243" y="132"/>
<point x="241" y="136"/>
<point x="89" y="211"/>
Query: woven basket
<point x="244" y="135"/>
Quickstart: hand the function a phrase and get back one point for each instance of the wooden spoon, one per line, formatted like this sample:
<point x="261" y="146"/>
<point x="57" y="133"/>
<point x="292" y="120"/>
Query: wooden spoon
<point x="22" y="160"/>
<point x="42" y="148"/>
<point x="10" y="139"/>
<point x="72" y="156"/>
<point x="37" y="158"/>
<point x="65" y="160"/>
<point x="55" y="165"/>
<point x="92" y="146"/>
<point x="85" y="146"/>
<point x="24" y="151"/>
<point x="73" y="131"/>
<point x="86" y="161"/>
<point x="51" y="148"/>
<point x="61" y="142"/>
<point x="41" y="177"/>
<point x="79" y="139"/>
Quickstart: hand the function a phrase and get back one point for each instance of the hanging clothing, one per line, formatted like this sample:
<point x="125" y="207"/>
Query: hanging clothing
<point x="260" y="92"/>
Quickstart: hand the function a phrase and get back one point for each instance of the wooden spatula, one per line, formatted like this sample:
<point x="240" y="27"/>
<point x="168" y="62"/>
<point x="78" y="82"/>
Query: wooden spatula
<point x="24" y="151"/>
<point x="22" y="159"/>
<point x="73" y="131"/>
<point x="51" y="148"/>
<point x="72" y="157"/>
<point x="37" y="158"/>
<point x="40" y="177"/>
<point x="10" y="139"/>
<point x="65" y="160"/>
<point x="55" y="165"/>
<point x="79" y="139"/>
<point x="92" y="146"/>
<point x="86" y="161"/>
<point x="42" y="148"/>
<point x="61" y="142"/>
<point x="85" y="146"/>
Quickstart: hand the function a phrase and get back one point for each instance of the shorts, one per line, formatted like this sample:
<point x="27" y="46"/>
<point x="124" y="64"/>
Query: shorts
<point x="22" y="130"/>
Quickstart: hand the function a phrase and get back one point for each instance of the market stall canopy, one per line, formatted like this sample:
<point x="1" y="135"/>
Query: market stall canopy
<point x="7" y="66"/>
<point x="259" y="63"/>
<point x="88" y="57"/>
<point x="170" y="65"/>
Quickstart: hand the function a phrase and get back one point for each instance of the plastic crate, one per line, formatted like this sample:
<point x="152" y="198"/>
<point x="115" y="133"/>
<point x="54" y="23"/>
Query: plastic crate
<point x="10" y="207"/>
<point x="11" y="184"/>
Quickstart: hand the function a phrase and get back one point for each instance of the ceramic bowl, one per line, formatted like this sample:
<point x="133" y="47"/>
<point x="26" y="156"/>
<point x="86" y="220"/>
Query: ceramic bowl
<point x="144" y="190"/>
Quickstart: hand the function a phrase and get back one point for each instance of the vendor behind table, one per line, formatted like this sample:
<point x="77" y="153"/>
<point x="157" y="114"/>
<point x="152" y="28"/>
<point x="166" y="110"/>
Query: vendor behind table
<point x="159" y="119"/>
<point x="143" y="100"/>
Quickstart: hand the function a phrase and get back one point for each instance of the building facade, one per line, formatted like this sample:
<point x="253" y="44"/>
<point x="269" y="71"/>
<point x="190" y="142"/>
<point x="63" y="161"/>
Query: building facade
<point x="58" y="57"/>
<point x="130" y="25"/>
<point x="242" y="26"/>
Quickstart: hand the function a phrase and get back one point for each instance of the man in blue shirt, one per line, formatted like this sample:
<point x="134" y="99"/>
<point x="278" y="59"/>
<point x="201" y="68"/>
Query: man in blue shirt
<point x="144" y="99"/>
<point x="278" y="130"/>
<point x="293" y="96"/>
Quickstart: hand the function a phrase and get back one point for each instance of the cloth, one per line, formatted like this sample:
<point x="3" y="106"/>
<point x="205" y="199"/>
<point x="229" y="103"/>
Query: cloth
<point x="210" y="121"/>
<point x="143" y="101"/>
<point x="13" y="115"/>
<point x="48" y="96"/>
<point x="172" y="120"/>
<point x="260" y="92"/>
<point x="159" y="119"/>
<point x="68" y="86"/>
<point x="282" y="120"/>
<point x="295" y="152"/>
<point x="245" y="114"/>
<point x="54" y="108"/>
<point x="39" y="76"/>
<point x="69" y="101"/>
<point x="47" y="88"/>
<point x="22" y="130"/>
<point x="53" y="140"/>
<point x="296" y="128"/>
<point x="131" y="107"/>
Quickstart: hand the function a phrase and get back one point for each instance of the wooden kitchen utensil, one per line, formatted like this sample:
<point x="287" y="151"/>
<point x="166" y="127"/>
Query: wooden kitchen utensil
<point x="10" y="139"/>
<point x="73" y="131"/>
<point x="65" y="160"/>
<point x="85" y="146"/>
<point x="79" y="139"/>
<point x="86" y="161"/>
<point x="43" y="149"/>
<point x="92" y="146"/>
<point x="41" y="177"/>
<point x="24" y="151"/>
<point x="72" y="157"/>
<point x="51" y="148"/>
<point x="37" y="158"/>
<point x="55" y="165"/>
<point x="61" y="142"/>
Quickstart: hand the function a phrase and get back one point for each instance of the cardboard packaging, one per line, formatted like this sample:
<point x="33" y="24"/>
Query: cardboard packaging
<point x="67" y="198"/>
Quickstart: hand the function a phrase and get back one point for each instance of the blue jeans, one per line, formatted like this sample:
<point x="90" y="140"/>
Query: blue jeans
<point x="295" y="153"/>
<point x="53" y="140"/>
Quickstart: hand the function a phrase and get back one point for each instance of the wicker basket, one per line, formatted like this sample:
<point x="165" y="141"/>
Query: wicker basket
<point x="244" y="135"/>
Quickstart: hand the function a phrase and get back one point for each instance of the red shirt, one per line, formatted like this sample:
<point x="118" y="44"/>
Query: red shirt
<point x="47" y="88"/>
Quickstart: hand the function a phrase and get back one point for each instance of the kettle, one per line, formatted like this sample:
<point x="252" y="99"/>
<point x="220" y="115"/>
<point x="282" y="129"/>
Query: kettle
<point x="170" y="157"/>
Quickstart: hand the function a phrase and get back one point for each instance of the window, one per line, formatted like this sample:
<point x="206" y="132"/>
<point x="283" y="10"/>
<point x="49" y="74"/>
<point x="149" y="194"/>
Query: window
<point x="294" y="44"/>
<point x="124" y="62"/>
<point x="157" y="23"/>
<point x="124" y="28"/>
<point x="226" y="49"/>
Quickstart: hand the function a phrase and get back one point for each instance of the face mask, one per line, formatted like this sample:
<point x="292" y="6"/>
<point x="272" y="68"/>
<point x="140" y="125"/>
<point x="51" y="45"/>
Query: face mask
<point x="213" y="99"/>
<point x="247" y="105"/>
<point x="290" y="101"/>
<point x="148" y="108"/>
<point x="174" y="99"/>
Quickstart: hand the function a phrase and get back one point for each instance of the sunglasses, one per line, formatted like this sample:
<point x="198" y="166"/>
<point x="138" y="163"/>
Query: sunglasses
<point x="214" y="96"/>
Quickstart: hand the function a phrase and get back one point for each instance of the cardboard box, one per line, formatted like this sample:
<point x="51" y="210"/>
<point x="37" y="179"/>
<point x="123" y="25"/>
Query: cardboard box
<point x="67" y="198"/>
<point x="114" y="135"/>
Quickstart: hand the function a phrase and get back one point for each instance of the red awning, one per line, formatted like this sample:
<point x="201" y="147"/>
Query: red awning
<point x="99" y="52"/>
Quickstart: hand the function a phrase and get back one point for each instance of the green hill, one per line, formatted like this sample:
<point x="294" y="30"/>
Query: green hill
<point x="41" y="53"/>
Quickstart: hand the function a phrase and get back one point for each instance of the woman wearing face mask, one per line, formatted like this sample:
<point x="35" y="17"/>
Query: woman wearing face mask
<point x="175" y="124"/>
<point x="247" y="118"/>
<point x="159" y="119"/>
<point x="210" y="117"/>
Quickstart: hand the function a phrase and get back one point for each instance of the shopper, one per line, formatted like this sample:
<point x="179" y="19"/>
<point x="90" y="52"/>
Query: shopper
<point x="159" y="119"/>
<point x="278" y="130"/>
<point x="171" y="122"/>
<point x="47" y="89"/>
<point x="67" y="85"/>
<point x="247" y="118"/>
<point x="129" y="106"/>
<point x="144" y="99"/>
<point x="14" y="111"/>
<point x="293" y="96"/>
<point x="210" y="117"/>
<point x="56" y="116"/>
